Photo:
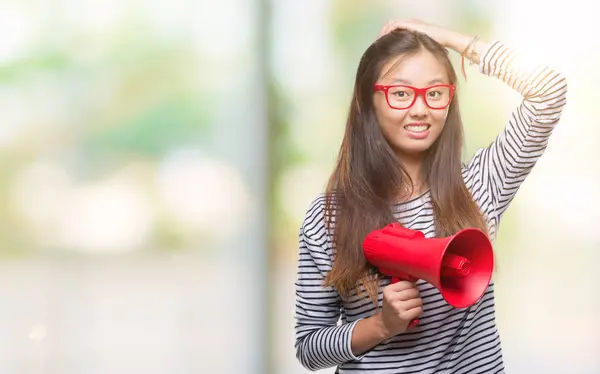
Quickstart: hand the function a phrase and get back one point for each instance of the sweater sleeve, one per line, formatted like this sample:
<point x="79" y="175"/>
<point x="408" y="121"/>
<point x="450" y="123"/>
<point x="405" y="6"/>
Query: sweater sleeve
<point x="504" y="164"/>
<point x="320" y="341"/>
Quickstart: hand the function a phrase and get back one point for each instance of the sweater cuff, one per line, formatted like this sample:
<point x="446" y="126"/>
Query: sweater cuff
<point x="349" y="332"/>
<point x="495" y="59"/>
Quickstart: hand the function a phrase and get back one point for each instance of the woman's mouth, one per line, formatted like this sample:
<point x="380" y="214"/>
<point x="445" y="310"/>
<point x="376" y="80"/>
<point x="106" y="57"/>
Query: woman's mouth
<point x="417" y="131"/>
<point x="417" y="127"/>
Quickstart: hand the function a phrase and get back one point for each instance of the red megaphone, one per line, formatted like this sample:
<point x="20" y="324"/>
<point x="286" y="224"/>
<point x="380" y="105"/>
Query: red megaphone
<point x="459" y="266"/>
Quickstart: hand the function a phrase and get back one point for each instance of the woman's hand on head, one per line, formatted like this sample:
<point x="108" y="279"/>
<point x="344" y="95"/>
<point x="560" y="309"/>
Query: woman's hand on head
<point x="437" y="33"/>
<point x="446" y="37"/>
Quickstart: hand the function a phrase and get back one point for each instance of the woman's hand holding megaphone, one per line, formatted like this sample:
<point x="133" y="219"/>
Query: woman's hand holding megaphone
<point x="401" y="304"/>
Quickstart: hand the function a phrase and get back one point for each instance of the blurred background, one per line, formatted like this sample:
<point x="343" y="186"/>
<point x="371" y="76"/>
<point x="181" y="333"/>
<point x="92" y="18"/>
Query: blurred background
<point x="157" y="158"/>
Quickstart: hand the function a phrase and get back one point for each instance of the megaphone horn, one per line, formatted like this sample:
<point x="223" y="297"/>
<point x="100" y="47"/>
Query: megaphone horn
<point x="459" y="266"/>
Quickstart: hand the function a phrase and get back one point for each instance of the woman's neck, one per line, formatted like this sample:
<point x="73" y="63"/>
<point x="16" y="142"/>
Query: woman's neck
<point x="413" y="168"/>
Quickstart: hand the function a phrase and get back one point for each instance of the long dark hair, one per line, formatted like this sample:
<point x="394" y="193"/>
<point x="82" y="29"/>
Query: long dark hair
<point x="369" y="176"/>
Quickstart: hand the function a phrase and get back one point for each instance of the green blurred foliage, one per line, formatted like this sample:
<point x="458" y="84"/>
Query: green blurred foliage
<point x="127" y="97"/>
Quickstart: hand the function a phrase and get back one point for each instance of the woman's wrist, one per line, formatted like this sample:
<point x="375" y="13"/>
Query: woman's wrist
<point x="470" y="45"/>
<point x="383" y="331"/>
<point x="458" y="41"/>
<point x="368" y="333"/>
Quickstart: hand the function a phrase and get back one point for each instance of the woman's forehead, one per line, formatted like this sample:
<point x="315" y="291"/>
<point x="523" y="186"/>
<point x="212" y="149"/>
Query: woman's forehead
<point x="421" y="69"/>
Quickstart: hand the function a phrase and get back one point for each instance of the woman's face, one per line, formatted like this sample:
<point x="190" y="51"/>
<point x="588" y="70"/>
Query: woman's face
<point x="412" y="129"/>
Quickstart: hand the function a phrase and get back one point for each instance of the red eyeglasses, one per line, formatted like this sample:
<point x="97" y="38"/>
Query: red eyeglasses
<point x="437" y="96"/>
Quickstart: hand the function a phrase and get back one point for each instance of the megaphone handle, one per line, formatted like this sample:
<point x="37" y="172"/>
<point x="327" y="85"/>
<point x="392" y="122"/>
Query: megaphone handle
<point x="415" y="322"/>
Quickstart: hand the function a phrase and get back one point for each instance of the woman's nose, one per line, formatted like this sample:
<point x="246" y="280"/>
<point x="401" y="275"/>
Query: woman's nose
<point x="419" y="108"/>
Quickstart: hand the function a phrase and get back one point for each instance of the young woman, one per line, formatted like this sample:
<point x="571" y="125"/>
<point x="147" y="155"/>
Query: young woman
<point x="400" y="160"/>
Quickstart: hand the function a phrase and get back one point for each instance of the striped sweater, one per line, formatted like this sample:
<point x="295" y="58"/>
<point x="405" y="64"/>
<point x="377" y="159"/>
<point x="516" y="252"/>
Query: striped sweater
<point x="448" y="340"/>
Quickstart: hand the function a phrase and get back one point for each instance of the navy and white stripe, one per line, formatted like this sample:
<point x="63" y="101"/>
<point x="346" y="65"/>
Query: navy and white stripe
<point x="448" y="340"/>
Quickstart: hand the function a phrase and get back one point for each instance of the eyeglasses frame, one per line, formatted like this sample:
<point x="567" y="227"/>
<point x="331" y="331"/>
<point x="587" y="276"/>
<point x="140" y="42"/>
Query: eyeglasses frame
<point x="418" y="92"/>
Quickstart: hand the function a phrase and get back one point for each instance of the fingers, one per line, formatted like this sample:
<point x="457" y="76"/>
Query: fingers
<point x="404" y="306"/>
<point x="384" y="30"/>
<point x="397" y="25"/>
<point x="408" y="24"/>
<point x="411" y="314"/>
<point x="390" y="26"/>
<point x="401" y="295"/>
<point x="400" y="292"/>
<point x="401" y="303"/>
<point x="408" y="310"/>
<point x="405" y="295"/>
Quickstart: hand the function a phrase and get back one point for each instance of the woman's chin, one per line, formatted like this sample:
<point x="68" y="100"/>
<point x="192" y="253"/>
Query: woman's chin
<point x="412" y="148"/>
